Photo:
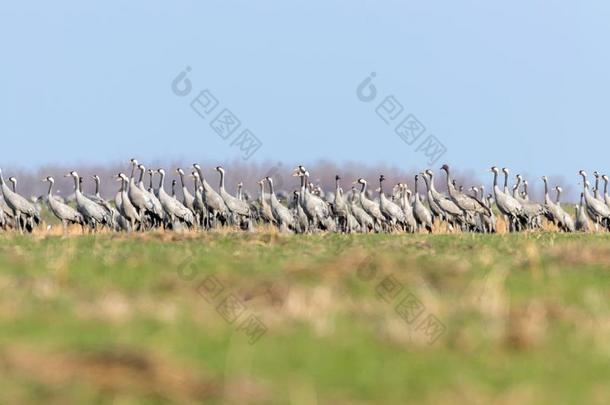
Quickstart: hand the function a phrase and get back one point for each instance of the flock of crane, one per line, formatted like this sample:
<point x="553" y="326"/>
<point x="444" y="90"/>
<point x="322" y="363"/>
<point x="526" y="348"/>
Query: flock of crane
<point x="309" y="209"/>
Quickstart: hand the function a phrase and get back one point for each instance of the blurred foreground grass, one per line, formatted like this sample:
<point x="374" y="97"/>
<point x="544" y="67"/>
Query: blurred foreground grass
<point x="131" y="319"/>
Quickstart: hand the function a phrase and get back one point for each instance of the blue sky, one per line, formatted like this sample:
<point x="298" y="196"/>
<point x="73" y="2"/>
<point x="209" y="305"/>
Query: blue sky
<point x="523" y="84"/>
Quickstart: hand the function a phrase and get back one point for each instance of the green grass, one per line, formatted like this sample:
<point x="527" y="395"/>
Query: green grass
<point x="115" y="318"/>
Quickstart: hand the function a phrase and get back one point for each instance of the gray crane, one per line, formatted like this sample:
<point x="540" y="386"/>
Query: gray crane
<point x="301" y="219"/>
<point x="172" y="207"/>
<point x="606" y="196"/>
<point x="98" y="199"/>
<point x="471" y="205"/>
<point x="266" y="213"/>
<point x="127" y="209"/>
<point x="508" y="206"/>
<point x="21" y="208"/>
<point x="340" y="207"/>
<point x="370" y="207"/>
<point x="140" y="199"/>
<point x="598" y="211"/>
<point x="596" y="194"/>
<point x="283" y="216"/>
<point x="201" y="212"/>
<point x="66" y="214"/>
<point x="365" y="221"/>
<point x="450" y="211"/>
<point x="566" y="220"/>
<point x="216" y="206"/>
<point x="93" y="213"/>
<point x="420" y="212"/>
<point x="187" y="198"/>
<point x="554" y="214"/>
<point x="238" y="208"/>
<point x="407" y="208"/>
<point x="532" y="210"/>
<point x="316" y="209"/>
<point x="393" y="213"/>
<point x="582" y="221"/>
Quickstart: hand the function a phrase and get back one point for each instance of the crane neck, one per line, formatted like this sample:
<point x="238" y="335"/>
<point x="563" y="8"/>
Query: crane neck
<point x="181" y="179"/>
<point x="516" y="187"/>
<point x="77" y="185"/>
<point x="222" y="180"/>
<point x="162" y="181"/>
<point x="141" y="179"/>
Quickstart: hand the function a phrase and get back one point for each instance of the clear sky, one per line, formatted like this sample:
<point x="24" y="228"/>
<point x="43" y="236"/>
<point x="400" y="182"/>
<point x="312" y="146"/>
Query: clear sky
<point x="523" y="84"/>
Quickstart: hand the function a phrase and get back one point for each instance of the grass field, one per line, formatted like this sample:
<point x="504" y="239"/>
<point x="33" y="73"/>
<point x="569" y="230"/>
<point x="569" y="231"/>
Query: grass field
<point x="264" y="318"/>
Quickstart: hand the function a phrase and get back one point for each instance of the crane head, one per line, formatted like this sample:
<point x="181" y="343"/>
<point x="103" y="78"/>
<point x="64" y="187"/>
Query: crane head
<point x="494" y="169"/>
<point x="505" y="170"/>
<point x="133" y="161"/>
<point x="180" y="171"/>
<point x="142" y="167"/>
<point x="382" y="178"/>
<point x="337" y="177"/>
<point x="445" y="167"/>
